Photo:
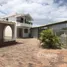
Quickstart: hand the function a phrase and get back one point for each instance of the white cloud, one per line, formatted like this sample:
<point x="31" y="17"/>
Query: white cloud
<point x="42" y="11"/>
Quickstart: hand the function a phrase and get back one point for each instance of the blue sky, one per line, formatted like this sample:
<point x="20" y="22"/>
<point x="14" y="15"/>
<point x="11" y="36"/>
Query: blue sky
<point x="42" y="11"/>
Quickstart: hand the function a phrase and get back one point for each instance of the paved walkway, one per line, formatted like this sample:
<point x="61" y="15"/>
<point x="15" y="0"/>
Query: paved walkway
<point x="27" y="53"/>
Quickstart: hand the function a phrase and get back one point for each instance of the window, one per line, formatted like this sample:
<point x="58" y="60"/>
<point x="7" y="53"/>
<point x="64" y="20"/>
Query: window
<point x="20" y="19"/>
<point x="25" y="30"/>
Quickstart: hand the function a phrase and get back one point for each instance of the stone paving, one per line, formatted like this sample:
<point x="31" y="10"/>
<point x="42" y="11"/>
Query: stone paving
<point x="27" y="53"/>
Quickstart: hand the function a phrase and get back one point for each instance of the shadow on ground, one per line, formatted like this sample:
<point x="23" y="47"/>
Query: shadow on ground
<point x="9" y="43"/>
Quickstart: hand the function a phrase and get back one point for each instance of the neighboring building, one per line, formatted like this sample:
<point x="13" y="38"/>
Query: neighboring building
<point x="58" y="28"/>
<point x="23" y="24"/>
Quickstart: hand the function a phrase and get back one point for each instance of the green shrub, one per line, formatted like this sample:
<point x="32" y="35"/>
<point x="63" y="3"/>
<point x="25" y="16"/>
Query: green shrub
<point x="49" y="39"/>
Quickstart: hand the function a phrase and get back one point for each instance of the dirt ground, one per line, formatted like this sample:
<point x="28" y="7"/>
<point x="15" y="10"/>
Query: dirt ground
<point x="28" y="53"/>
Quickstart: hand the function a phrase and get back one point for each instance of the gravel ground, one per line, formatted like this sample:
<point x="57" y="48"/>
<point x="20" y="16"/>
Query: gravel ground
<point x="27" y="53"/>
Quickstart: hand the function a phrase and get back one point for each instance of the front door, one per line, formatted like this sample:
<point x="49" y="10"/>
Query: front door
<point x="20" y="32"/>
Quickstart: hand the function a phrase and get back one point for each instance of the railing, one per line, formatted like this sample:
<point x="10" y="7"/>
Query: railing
<point x="24" y="24"/>
<point x="28" y="22"/>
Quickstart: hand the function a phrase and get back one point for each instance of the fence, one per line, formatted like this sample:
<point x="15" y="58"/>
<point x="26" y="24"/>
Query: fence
<point x="63" y="37"/>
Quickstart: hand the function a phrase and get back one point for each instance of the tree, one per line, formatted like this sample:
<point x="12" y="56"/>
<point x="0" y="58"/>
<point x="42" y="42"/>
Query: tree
<point x="49" y="39"/>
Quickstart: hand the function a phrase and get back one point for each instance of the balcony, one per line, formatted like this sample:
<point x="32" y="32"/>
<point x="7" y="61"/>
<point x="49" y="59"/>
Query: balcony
<point x="28" y="22"/>
<point x="24" y="24"/>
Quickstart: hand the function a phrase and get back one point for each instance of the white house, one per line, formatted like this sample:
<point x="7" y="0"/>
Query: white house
<point x="23" y="24"/>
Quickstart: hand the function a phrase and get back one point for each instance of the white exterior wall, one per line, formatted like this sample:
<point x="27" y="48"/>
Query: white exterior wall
<point x="21" y="25"/>
<point x="12" y="19"/>
<point x="26" y="34"/>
